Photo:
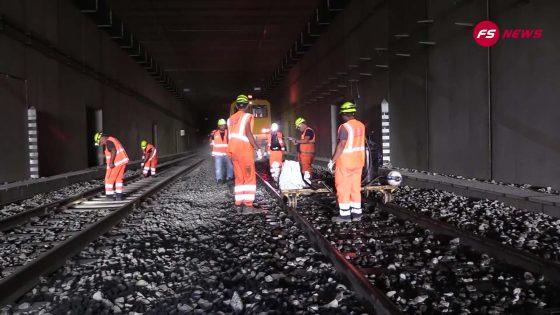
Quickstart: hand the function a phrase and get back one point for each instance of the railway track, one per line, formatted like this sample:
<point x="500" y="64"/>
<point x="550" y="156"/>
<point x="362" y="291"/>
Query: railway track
<point x="401" y="262"/>
<point x="40" y="241"/>
<point x="9" y="222"/>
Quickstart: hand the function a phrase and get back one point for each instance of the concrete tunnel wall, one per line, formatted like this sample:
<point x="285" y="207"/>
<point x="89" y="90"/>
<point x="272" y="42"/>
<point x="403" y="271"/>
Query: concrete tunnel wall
<point x="456" y="107"/>
<point x="61" y="94"/>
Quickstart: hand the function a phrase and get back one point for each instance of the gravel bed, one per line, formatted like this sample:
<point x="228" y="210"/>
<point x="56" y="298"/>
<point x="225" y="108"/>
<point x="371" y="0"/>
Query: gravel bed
<point x="25" y="243"/>
<point x="534" y="232"/>
<point x="187" y="251"/>
<point x="45" y="198"/>
<point x="427" y="273"/>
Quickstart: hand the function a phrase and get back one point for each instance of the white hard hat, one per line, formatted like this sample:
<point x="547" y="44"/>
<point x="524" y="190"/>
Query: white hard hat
<point x="274" y="127"/>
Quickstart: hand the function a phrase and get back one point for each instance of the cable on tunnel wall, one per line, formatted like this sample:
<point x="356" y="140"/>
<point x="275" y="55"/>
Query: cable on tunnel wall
<point x="49" y="50"/>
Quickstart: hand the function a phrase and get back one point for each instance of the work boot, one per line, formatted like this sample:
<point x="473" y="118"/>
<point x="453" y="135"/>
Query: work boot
<point x="356" y="214"/>
<point x="356" y="217"/>
<point x="253" y="209"/>
<point x="342" y="219"/>
<point x="118" y="197"/>
<point x="238" y="208"/>
<point x="110" y="197"/>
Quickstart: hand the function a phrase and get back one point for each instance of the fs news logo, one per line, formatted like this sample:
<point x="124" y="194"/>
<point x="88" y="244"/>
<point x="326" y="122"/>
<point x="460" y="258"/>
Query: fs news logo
<point x="487" y="33"/>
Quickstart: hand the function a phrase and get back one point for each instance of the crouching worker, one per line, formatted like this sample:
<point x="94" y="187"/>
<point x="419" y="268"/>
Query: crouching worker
<point x="348" y="161"/>
<point x="116" y="159"/>
<point x="149" y="158"/>
<point x="219" y="143"/>
<point x="275" y="146"/>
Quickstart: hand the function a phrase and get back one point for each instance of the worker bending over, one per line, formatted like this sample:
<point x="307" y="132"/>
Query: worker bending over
<point x="275" y="146"/>
<point x="241" y="147"/>
<point x="116" y="160"/>
<point x="219" y="142"/>
<point x="348" y="161"/>
<point x="305" y="147"/>
<point x="149" y="158"/>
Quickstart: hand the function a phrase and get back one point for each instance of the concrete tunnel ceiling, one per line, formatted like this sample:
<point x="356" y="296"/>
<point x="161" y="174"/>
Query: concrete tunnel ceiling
<point x="216" y="48"/>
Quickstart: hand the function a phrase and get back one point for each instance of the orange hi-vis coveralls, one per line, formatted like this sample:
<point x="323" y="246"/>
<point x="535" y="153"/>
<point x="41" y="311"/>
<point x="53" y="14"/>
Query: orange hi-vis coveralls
<point x="349" y="165"/>
<point x="275" y="154"/>
<point x="114" y="176"/>
<point x="150" y="159"/>
<point x="306" y="152"/>
<point x="242" y="156"/>
<point x="219" y="145"/>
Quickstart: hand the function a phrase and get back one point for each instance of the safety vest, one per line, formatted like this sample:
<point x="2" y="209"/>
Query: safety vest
<point x="353" y="154"/>
<point x="269" y="141"/>
<point x="147" y="150"/>
<point x="237" y="124"/>
<point x="307" y="148"/>
<point x="121" y="158"/>
<point x="219" y="145"/>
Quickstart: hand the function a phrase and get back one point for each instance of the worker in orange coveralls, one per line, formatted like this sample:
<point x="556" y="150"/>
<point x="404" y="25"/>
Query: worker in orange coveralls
<point x="275" y="146"/>
<point x="349" y="158"/>
<point x="116" y="159"/>
<point x="241" y="147"/>
<point x="306" y="148"/>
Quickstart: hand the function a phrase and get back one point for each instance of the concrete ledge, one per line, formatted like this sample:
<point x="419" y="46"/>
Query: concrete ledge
<point x="26" y="189"/>
<point x="517" y="197"/>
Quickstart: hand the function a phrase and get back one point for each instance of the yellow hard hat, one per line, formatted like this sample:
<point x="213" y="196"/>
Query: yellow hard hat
<point x="97" y="137"/>
<point x="221" y="122"/>
<point x="299" y="121"/>
<point x="347" y="107"/>
<point x="143" y="144"/>
<point x="242" y="99"/>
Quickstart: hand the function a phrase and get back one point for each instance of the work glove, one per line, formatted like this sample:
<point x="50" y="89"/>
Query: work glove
<point x="331" y="166"/>
<point x="259" y="155"/>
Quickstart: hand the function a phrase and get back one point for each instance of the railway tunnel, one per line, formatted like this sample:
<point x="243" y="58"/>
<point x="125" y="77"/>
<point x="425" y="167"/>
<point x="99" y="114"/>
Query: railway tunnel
<point x="130" y="181"/>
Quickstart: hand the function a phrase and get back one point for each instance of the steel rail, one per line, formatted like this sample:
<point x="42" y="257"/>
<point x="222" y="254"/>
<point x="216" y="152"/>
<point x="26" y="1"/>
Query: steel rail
<point x="507" y="254"/>
<point x="27" y="276"/>
<point x="15" y="220"/>
<point x="374" y="298"/>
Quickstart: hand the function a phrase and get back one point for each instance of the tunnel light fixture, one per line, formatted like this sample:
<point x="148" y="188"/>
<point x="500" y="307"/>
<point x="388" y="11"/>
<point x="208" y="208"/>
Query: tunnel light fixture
<point x="402" y="55"/>
<point x="402" y="35"/>
<point x="382" y="66"/>
<point x="257" y="88"/>
<point x="465" y="24"/>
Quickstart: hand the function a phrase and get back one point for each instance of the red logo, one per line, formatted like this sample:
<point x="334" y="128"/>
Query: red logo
<point x="486" y="33"/>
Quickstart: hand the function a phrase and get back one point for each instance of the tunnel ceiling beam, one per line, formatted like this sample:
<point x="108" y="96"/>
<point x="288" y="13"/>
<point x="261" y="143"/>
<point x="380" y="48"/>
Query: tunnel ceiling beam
<point x="318" y="22"/>
<point x="100" y="12"/>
